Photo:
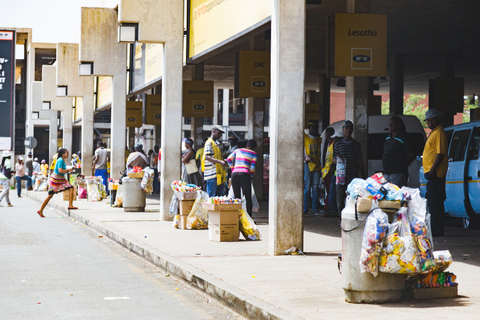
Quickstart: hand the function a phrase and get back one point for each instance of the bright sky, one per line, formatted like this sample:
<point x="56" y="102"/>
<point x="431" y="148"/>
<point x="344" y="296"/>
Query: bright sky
<point x="52" y="21"/>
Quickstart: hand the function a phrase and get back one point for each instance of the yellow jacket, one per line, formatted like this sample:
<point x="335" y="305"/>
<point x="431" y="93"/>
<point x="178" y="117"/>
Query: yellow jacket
<point x="217" y="154"/>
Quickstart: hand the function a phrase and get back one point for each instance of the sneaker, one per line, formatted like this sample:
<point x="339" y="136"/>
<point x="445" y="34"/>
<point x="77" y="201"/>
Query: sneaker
<point x="331" y="215"/>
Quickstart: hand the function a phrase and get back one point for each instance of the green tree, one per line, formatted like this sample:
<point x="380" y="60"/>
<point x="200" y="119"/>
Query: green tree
<point x="411" y="106"/>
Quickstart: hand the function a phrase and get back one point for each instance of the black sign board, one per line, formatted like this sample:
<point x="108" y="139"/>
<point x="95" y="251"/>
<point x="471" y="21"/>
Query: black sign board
<point x="7" y="89"/>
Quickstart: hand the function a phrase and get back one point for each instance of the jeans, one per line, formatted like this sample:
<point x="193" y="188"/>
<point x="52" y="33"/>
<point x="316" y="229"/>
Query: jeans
<point x="19" y="184"/>
<point x="6" y="190"/>
<point x="212" y="187"/>
<point x="243" y="181"/>
<point x="332" y="198"/>
<point x="310" y="191"/>
<point x="435" y="199"/>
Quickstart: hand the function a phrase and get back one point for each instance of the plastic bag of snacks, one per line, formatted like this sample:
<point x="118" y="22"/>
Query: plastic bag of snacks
<point x="198" y="217"/>
<point x="119" y="197"/>
<point x="341" y="164"/>
<point x="173" y="210"/>
<point x="248" y="227"/>
<point x="443" y="259"/>
<point x="372" y="241"/>
<point x="420" y="225"/>
<point x="147" y="181"/>
<point x="400" y="254"/>
<point x="43" y="185"/>
<point x="176" y="221"/>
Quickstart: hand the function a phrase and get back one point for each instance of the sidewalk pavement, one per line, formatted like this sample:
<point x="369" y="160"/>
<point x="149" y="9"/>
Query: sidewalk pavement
<point x="242" y="275"/>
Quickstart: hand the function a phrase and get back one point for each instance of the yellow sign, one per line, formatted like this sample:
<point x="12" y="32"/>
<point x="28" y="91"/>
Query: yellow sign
<point x="360" y="45"/>
<point x="253" y="70"/>
<point x="312" y="113"/>
<point x="198" y="99"/>
<point x="153" y="109"/>
<point x="78" y="108"/>
<point x="153" y="62"/>
<point x="213" y="22"/>
<point x="104" y="92"/>
<point x="134" y="113"/>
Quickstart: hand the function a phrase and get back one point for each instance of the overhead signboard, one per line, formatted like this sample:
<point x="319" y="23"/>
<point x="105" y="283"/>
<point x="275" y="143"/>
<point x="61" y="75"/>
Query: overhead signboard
<point x="78" y="108"/>
<point x="153" y="109"/>
<point x="198" y="99"/>
<point x="104" y="92"/>
<point x="7" y="89"/>
<point x="253" y="74"/>
<point x="360" y="45"/>
<point x="147" y="65"/>
<point x="215" y="22"/>
<point x="134" y="113"/>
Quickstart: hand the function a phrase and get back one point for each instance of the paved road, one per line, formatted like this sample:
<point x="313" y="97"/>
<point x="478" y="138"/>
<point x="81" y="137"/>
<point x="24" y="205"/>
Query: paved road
<point x="56" y="268"/>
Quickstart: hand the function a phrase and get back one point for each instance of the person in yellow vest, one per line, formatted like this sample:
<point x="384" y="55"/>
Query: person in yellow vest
<point x="328" y="167"/>
<point x="215" y="175"/>
<point x="312" y="168"/>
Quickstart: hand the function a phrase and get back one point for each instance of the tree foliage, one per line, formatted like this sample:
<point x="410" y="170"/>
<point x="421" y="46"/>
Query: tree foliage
<point x="411" y="106"/>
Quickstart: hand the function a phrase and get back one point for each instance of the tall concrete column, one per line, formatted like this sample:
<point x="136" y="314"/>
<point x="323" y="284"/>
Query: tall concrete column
<point x="397" y="70"/>
<point x="118" y="132"/>
<point x="87" y="133"/>
<point x="226" y="110"/>
<point x="172" y="83"/>
<point x="197" y="122"/>
<point x="67" y="129"/>
<point x="324" y="98"/>
<point x="52" y="136"/>
<point x="286" y="125"/>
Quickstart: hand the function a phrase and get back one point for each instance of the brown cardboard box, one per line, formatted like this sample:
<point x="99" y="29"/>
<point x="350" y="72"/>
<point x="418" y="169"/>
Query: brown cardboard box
<point x="187" y="195"/>
<point x="66" y="194"/>
<point x="185" y="207"/>
<point x="223" y="225"/>
<point x="182" y="224"/>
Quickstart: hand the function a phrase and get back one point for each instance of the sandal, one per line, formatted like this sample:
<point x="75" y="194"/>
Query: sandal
<point x="40" y="214"/>
<point x="72" y="208"/>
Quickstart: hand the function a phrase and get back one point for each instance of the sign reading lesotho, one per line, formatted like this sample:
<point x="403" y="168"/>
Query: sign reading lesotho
<point x="214" y="22"/>
<point x="360" y="45"/>
<point x="7" y="89"/>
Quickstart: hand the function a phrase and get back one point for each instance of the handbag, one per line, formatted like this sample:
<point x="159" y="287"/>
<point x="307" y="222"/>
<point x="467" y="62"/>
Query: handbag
<point x="191" y="166"/>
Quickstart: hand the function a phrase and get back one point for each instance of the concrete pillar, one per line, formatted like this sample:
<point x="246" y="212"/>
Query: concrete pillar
<point x="87" y="133"/>
<point x="286" y="125"/>
<point x="324" y="98"/>
<point x="67" y="130"/>
<point x="118" y="133"/>
<point x="172" y="83"/>
<point x="197" y="122"/>
<point x="52" y="136"/>
<point x="226" y="110"/>
<point x="397" y="70"/>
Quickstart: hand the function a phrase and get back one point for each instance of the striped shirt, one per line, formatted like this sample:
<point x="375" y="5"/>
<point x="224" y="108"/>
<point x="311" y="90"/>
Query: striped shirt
<point x="210" y="171"/>
<point x="351" y="151"/>
<point x="243" y="160"/>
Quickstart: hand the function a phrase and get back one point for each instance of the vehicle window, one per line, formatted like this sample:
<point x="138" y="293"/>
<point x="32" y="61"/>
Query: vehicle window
<point x="376" y="141"/>
<point x="473" y="148"/>
<point x="458" y="145"/>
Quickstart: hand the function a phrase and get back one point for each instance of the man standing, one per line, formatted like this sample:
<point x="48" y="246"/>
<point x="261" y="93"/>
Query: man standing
<point x="312" y="168"/>
<point x="397" y="153"/>
<point x="100" y="160"/>
<point x="213" y="165"/>
<point x="329" y="167"/>
<point x="349" y="151"/>
<point x="29" y="167"/>
<point x="435" y="167"/>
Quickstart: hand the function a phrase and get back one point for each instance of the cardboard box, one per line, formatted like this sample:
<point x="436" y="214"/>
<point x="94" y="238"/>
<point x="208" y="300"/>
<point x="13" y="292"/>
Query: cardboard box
<point x="135" y="175"/>
<point x="433" y="293"/>
<point x="187" y="195"/>
<point x="222" y="207"/>
<point x="364" y="205"/>
<point x="66" y="194"/>
<point x="185" y="207"/>
<point x="182" y="223"/>
<point x="223" y="225"/>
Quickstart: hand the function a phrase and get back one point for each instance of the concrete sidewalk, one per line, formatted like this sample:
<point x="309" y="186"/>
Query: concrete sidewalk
<point x="245" y="278"/>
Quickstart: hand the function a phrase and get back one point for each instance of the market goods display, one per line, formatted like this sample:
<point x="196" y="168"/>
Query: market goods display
<point x="224" y="200"/>
<point x="198" y="217"/>
<point x="147" y="180"/>
<point x="247" y="227"/>
<point x="430" y="280"/>
<point x="95" y="189"/>
<point x="179" y="186"/>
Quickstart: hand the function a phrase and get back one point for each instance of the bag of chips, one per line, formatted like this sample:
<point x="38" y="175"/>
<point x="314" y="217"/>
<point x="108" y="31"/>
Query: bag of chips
<point x="248" y="227"/>
<point x="198" y="217"/>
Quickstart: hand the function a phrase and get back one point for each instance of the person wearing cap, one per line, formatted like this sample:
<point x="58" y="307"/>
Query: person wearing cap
<point x="329" y="167"/>
<point x="20" y="175"/>
<point x="215" y="175"/>
<point x="44" y="168"/>
<point x="350" y="151"/>
<point x="397" y="153"/>
<point x="29" y="166"/>
<point x="5" y="176"/>
<point x="99" y="164"/>
<point x="312" y="168"/>
<point x="435" y="167"/>
<point x="136" y="158"/>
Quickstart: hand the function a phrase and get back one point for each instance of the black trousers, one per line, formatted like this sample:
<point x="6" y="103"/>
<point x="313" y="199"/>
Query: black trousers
<point x="435" y="199"/>
<point x="241" y="180"/>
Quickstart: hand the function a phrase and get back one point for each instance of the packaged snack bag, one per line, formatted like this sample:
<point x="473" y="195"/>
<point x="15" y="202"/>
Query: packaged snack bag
<point x="198" y="217"/>
<point x="248" y="227"/>
<point x="341" y="168"/>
